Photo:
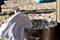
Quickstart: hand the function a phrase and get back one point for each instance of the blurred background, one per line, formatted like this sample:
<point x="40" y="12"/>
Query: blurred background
<point x="35" y="10"/>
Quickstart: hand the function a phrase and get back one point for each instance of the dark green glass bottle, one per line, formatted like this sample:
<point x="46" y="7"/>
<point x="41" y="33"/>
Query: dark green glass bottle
<point x="44" y="1"/>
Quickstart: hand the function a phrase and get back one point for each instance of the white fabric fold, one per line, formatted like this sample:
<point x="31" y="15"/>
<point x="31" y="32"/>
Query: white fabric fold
<point x="13" y="29"/>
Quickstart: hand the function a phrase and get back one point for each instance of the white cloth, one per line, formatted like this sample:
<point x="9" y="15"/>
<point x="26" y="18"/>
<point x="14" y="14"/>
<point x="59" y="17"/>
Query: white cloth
<point x="13" y="29"/>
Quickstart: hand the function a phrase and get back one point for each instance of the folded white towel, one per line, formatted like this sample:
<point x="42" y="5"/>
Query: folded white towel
<point x="13" y="29"/>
